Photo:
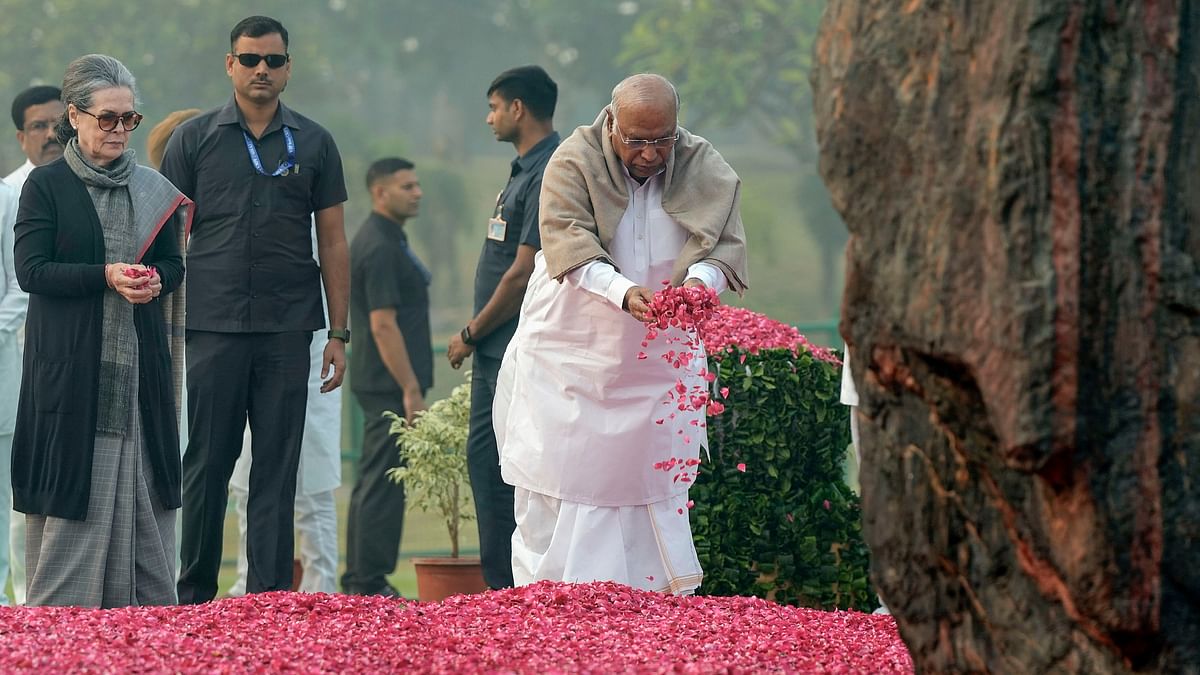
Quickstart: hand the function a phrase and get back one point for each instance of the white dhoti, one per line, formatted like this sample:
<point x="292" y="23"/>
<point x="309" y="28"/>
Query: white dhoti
<point x="581" y="423"/>
<point x="647" y="547"/>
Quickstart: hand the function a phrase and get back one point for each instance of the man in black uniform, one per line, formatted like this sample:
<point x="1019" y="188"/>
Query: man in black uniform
<point x="391" y="370"/>
<point x="259" y="172"/>
<point x="520" y="111"/>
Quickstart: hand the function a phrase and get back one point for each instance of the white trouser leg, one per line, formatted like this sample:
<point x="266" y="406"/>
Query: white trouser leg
<point x="240" y="497"/>
<point x="5" y="509"/>
<point x="316" y="523"/>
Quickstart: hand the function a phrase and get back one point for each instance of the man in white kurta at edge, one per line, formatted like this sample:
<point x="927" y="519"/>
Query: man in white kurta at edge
<point x="626" y="203"/>
<point x="34" y="112"/>
<point x="13" y="303"/>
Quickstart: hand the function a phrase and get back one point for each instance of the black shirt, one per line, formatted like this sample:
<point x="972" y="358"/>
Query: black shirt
<point x="250" y="264"/>
<point x="384" y="272"/>
<point x="518" y="206"/>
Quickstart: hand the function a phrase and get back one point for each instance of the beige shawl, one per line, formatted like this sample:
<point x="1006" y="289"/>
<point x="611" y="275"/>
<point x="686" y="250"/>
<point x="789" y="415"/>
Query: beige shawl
<point x="584" y="197"/>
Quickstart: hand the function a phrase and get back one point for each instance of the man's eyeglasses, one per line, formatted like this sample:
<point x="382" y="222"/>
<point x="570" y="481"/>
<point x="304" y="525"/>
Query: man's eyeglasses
<point x="252" y="60"/>
<point x="108" y="121"/>
<point x="640" y="144"/>
<point x="38" y="126"/>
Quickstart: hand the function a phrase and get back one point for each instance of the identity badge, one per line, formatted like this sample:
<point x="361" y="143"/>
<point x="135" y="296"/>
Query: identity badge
<point x="497" y="227"/>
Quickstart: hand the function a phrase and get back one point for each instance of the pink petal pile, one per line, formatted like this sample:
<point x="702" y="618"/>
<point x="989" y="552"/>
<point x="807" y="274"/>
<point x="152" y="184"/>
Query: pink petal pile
<point x="546" y="627"/>
<point x="732" y="328"/>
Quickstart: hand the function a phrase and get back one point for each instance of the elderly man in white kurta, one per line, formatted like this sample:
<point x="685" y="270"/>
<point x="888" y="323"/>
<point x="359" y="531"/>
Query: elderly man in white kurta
<point x="13" y="303"/>
<point x="627" y="202"/>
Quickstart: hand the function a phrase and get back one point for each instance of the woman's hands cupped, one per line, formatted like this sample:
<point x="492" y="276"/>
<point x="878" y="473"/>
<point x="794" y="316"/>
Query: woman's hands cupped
<point x="138" y="284"/>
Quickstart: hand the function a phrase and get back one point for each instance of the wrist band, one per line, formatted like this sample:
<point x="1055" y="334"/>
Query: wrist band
<point x="465" y="334"/>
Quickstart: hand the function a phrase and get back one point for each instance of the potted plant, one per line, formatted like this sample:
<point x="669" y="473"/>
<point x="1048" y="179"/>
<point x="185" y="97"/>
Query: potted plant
<point x="433" y="454"/>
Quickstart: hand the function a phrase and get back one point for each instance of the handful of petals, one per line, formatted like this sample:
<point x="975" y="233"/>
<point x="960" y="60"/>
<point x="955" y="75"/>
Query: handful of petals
<point x="144" y="273"/>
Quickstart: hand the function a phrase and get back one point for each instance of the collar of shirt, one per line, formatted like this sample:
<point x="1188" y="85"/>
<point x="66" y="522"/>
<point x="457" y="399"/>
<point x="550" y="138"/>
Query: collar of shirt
<point x="529" y="159"/>
<point x="232" y="114"/>
<point x="388" y="228"/>
<point x="392" y="231"/>
<point x="17" y="177"/>
<point x="634" y="184"/>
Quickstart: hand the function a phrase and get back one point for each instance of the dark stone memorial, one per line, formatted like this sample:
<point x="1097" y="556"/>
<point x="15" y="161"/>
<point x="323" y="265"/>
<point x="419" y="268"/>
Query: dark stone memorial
<point x="1021" y="182"/>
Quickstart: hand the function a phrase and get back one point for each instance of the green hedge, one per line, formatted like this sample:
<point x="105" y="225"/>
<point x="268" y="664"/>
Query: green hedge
<point x="788" y="528"/>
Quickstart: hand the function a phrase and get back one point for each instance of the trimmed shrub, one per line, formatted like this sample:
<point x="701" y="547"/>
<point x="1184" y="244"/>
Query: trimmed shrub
<point x="773" y="515"/>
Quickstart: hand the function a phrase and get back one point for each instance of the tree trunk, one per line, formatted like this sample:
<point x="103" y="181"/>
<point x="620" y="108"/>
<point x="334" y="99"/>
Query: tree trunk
<point x="1020" y="179"/>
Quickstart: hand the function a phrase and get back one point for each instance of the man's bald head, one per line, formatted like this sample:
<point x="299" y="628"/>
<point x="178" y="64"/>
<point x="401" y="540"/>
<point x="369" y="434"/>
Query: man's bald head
<point x="645" y="91"/>
<point x="643" y="123"/>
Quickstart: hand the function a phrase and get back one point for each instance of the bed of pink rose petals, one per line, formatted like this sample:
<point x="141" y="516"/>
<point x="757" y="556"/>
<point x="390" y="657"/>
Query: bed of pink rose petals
<point x="546" y="627"/>
<point x="731" y="328"/>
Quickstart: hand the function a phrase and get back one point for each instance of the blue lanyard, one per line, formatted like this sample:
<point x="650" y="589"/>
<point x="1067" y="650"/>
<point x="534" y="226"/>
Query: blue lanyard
<point x="283" y="166"/>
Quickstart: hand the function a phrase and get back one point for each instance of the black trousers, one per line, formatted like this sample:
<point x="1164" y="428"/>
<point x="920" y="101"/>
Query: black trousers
<point x="375" y="522"/>
<point x="493" y="497"/>
<point x="232" y="377"/>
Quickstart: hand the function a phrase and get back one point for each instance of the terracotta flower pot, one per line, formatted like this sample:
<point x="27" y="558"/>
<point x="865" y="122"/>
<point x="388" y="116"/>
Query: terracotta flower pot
<point x="439" y="578"/>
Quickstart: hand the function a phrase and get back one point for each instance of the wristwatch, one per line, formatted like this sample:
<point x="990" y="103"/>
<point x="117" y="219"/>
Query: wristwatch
<point x="342" y="334"/>
<point x="465" y="334"/>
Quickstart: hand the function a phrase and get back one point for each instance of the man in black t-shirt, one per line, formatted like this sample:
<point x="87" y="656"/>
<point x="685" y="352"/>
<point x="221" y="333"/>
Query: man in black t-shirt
<point x="390" y="369"/>
<point x="259" y="173"/>
<point x="521" y="111"/>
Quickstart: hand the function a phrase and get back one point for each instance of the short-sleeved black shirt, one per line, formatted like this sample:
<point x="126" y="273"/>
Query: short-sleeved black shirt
<point x="518" y="206"/>
<point x="250" y="265"/>
<point x="383" y="274"/>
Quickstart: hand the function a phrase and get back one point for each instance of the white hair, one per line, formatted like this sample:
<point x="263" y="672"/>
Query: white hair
<point x="85" y="76"/>
<point x="641" y="87"/>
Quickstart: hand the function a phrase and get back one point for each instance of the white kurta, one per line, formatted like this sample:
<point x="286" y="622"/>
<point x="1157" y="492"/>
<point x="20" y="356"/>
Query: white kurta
<point x="18" y="176"/>
<point x="576" y="416"/>
<point x="849" y="394"/>
<point x="13" y="303"/>
<point x="17" y="519"/>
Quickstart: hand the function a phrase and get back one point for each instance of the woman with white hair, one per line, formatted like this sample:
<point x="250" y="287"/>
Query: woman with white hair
<point x="96" y="449"/>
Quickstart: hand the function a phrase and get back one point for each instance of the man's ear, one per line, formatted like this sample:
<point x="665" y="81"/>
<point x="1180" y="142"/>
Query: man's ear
<point x="518" y="109"/>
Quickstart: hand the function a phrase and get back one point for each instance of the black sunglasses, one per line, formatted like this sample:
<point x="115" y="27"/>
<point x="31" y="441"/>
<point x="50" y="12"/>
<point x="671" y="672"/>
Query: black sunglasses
<point x="273" y="60"/>
<point x="108" y="121"/>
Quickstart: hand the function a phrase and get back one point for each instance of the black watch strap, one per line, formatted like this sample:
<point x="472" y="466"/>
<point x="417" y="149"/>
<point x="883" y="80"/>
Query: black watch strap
<point x="342" y="334"/>
<point x="465" y="334"/>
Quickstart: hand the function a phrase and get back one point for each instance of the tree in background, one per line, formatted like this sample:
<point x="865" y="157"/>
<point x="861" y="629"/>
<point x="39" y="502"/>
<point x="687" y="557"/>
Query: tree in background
<point x="408" y="77"/>
<point x="745" y="64"/>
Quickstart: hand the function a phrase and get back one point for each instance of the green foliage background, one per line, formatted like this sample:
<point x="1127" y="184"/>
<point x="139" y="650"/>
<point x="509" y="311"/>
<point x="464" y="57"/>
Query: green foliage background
<point x="408" y="77"/>
<point x="788" y="528"/>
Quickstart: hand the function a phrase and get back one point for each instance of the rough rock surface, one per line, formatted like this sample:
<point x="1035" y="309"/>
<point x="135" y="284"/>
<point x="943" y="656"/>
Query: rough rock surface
<point x="1021" y="181"/>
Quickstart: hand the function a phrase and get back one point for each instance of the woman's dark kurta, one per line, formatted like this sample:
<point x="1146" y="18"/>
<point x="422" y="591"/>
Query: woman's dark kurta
<point x="60" y="263"/>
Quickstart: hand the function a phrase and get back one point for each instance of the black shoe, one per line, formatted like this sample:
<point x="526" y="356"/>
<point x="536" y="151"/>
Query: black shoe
<point x="384" y="591"/>
<point x="387" y="591"/>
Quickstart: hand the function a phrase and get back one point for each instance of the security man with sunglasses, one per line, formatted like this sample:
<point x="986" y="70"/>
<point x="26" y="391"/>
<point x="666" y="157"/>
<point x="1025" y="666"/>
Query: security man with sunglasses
<point x="258" y="172"/>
